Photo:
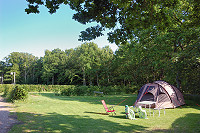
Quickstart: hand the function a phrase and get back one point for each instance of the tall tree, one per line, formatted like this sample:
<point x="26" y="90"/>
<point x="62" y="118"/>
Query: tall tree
<point x="38" y="70"/>
<point x="51" y="63"/>
<point x="72" y="70"/>
<point x="2" y="71"/>
<point x="125" y="17"/>
<point x="22" y="64"/>
<point x="85" y="57"/>
<point x="171" y="56"/>
<point x="105" y="72"/>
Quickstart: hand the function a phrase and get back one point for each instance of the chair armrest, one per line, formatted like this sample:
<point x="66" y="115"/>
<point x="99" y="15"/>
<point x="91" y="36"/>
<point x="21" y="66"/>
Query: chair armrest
<point x="134" y="109"/>
<point x="111" y="108"/>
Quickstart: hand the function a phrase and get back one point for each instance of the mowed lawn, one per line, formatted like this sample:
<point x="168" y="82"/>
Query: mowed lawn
<point x="46" y="112"/>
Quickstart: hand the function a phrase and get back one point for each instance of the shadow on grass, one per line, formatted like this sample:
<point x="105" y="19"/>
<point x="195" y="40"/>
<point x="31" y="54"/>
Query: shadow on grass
<point x="189" y="123"/>
<point x="97" y="113"/>
<point x="114" y="116"/>
<point x="54" y="122"/>
<point x="109" y="99"/>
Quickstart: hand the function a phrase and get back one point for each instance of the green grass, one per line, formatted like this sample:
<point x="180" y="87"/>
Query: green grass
<point x="46" y="112"/>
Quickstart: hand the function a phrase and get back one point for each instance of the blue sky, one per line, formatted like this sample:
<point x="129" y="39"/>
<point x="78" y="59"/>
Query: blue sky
<point x="34" y="33"/>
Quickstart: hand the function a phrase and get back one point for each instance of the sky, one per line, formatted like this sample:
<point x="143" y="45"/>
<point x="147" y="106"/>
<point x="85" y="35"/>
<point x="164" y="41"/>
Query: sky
<point x="35" y="33"/>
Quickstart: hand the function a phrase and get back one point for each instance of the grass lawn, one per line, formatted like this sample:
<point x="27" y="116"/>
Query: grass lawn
<point x="46" y="112"/>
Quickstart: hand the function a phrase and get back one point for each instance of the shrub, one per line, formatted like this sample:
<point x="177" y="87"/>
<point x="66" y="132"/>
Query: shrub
<point x="7" y="90"/>
<point x="81" y="90"/>
<point x="91" y="90"/>
<point x="110" y="90"/>
<point x="192" y="99"/>
<point x="1" y="88"/>
<point x="18" y="93"/>
<point x="68" y="91"/>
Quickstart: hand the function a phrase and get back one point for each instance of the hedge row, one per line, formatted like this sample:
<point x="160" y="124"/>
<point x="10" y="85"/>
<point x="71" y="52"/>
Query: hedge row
<point x="195" y="98"/>
<point x="14" y="92"/>
<point x="70" y="90"/>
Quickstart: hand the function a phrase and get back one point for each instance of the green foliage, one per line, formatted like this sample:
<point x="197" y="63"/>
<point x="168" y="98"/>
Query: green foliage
<point x="86" y="90"/>
<point x="18" y="93"/>
<point x="192" y="99"/>
<point x="1" y="88"/>
<point x="158" y="40"/>
<point x="159" y="57"/>
<point x="170" y="56"/>
<point x="91" y="89"/>
<point x="81" y="90"/>
<point x="125" y="17"/>
<point x="23" y="64"/>
<point x="7" y="89"/>
<point x="14" y="92"/>
<point x="115" y="90"/>
<point x="68" y="91"/>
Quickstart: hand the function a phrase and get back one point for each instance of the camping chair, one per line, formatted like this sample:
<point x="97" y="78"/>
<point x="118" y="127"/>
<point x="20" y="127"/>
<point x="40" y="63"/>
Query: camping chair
<point x="159" y="108"/>
<point x="108" y="110"/>
<point x="129" y="113"/>
<point x="142" y="113"/>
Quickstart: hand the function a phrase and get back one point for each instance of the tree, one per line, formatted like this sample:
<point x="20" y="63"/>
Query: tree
<point x="155" y="27"/>
<point x="87" y="55"/>
<point x="51" y="64"/>
<point x="171" y="56"/>
<point x="72" y="70"/>
<point x="2" y="71"/>
<point x="125" y="18"/>
<point x="38" y="70"/>
<point x="105" y="72"/>
<point x="22" y="64"/>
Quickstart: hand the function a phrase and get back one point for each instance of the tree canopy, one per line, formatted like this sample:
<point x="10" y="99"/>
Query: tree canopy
<point x="131" y="65"/>
<point x="126" y="19"/>
<point x="157" y="39"/>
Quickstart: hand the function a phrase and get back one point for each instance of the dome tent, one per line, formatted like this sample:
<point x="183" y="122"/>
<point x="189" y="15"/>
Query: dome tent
<point x="164" y="94"/>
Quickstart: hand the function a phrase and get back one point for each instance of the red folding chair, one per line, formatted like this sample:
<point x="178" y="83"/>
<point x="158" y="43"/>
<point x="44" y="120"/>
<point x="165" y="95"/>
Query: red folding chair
<point x="108" y="110"/>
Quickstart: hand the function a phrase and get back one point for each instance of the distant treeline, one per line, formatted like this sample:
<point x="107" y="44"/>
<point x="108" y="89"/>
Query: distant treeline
<point x="131" y="65"/>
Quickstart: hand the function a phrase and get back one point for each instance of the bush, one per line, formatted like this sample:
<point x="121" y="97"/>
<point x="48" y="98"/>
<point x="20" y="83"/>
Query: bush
<point x="91" y="90"/>
<point x="7" y="90"/>
<point x="131" y="89"/>
<point x="1" y="88"/>
<point x="68" y="91"/>
<point x="81" y="90"/>
<point x="192" y="99"/>
<point x="18" y="93"/>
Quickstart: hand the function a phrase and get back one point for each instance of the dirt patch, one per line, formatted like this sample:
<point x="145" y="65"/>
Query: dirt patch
<point x="34" y="95"/>
<point x="6" y="120"/>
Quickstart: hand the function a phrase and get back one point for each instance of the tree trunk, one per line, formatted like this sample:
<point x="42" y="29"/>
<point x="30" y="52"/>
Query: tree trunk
<point x="108" y="78"/>
<point x="178" y="81"/>
<point x="84" y="82"/>
<point x="25" y="75"/>
<point x="2" y="79"/>
<point x="53" y="80"/>
<point x="33" y="76"/>
<point x="97" y="79"/>
<point x="90" y="82"/>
